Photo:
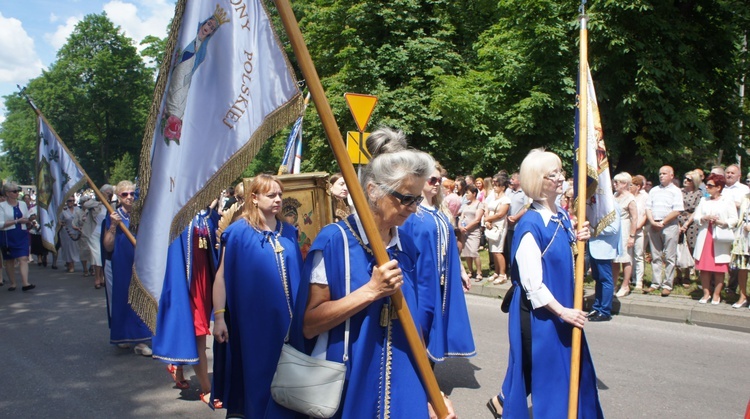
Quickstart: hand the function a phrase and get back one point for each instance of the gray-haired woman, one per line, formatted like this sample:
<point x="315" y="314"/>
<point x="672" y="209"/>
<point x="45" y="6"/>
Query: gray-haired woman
<point x="393" y="183"/>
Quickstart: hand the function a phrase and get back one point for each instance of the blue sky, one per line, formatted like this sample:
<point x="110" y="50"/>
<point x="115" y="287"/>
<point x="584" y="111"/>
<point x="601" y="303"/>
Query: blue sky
<point x="32" y="31"/>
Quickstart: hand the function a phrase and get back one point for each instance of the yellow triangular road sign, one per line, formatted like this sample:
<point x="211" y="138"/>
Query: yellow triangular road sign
<point x="361" y="107"/>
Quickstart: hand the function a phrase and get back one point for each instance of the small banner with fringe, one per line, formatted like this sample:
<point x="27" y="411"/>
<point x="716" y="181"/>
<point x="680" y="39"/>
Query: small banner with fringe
<point x="58" y="177"/>
<point x="224" y="89"/>
<point x="600" y="200"/>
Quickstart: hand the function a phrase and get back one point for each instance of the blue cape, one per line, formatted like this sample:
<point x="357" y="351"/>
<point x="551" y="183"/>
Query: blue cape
<point x="442" y="313"/>
<point x="257" y="315"/>
<point x="125" y="325"/>
<point x="550" y="336"/>
<point x="174" y="341"/>
<point x="381" y="376"/>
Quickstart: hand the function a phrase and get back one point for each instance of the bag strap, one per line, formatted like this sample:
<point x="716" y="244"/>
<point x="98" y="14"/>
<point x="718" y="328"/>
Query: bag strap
<point x="348" y="288"/>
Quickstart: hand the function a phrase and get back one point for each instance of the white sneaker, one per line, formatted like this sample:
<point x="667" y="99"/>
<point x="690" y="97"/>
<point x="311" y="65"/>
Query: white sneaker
<point x="142" y="349"/>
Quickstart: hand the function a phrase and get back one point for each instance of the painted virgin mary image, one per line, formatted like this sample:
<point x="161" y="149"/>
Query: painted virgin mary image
<point x="187" y="62"/>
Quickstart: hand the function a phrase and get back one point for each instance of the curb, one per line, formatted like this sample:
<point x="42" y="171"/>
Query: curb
<point x="675" y="308"/>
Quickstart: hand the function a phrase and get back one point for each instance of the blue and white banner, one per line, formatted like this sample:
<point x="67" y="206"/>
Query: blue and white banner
<point x="290" y="163"/>
<point x="230" y="88"/>
<point x="58" y="177"/>
<point x="600" y="202"/>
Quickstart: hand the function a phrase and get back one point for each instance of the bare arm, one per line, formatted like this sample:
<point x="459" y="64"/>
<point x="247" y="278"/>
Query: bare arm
<point x="221" y="333"/>
<point x="109" y="235"/>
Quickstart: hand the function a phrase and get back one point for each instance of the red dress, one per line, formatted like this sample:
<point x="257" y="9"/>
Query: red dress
<point x="201" y="284"/>
<point x="707" y="261"/>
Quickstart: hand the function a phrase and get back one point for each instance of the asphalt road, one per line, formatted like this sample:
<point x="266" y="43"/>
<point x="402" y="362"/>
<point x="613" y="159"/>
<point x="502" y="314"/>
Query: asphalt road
<point x="57" y="363"/>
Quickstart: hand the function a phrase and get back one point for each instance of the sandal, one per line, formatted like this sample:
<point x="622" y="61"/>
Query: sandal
<point x="493" y="407"/>
<point x="206" y="398"/>
<point x="501" y="279"/>
<point x="181" y="384"/>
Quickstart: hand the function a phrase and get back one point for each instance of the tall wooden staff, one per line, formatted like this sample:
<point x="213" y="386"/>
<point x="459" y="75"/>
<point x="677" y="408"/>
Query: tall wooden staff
<point x="358" y="196"/>
<point x="583" y="100"/>
<point x="96" y="190"/>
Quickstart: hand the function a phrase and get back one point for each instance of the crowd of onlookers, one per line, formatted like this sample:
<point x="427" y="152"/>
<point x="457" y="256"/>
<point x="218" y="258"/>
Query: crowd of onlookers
<point x="688" y="228"/>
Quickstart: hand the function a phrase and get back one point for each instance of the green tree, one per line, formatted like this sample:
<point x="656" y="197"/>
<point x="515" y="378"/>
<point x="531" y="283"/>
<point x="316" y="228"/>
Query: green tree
<point x="394" y="50"/>
<point x="124" y="168"/>
<point x="96" y="96"/>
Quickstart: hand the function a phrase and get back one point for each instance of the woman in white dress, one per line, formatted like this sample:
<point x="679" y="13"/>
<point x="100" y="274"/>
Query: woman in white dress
<point x="496" y="224"/>
<point x="628" y="213"/>
<point x="69" y="235"/>
<point x="95" y="214"/>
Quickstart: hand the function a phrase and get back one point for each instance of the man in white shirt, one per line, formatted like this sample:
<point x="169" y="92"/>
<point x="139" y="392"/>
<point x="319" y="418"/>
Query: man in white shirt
<point x="734" y="189"/>
<point x="663" y="206"/>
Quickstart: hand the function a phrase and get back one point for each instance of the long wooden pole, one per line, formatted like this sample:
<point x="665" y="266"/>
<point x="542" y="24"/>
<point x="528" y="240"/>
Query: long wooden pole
<point x="583" y="100"/>
<point x="96" y="190"/>
<point x="360" y="203"/>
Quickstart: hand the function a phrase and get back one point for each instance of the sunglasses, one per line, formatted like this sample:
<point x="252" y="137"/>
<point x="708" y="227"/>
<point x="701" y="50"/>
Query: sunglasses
<point x="688" y="179"/>
<point x="710" y="185"/>
<point x="126" y="194"/>
<point x="433" y="181"/>
<point x="406" y="200"/>
<point x="71" y="200"/>
<point x="15" y="190"/>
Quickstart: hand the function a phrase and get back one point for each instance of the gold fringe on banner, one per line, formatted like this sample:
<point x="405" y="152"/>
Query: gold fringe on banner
<point x="142" y="302"/>
<point x="140" y="299"/>
<point x="144" y="169"/>
<point x="604" y="222"/>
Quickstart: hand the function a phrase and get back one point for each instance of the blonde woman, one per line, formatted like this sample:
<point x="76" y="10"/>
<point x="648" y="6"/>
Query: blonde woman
<point x="628" y="221"/>
<point x="253" y="297"/>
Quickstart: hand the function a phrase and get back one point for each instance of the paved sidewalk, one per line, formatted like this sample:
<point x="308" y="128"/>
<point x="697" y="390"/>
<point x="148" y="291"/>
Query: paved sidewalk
<point x="675" y="308"/>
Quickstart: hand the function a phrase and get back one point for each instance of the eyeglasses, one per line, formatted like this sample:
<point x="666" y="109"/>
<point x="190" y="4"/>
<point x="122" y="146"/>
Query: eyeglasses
<point x="710" y="185"/>
<point x="555" y="175"/>
<point x="127" y="194"/>
<point x="433" y="181"/>
<point x="406" y="200"/>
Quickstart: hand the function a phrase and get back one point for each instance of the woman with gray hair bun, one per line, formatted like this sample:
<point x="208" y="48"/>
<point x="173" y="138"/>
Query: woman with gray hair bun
<point x="392" y="184"/>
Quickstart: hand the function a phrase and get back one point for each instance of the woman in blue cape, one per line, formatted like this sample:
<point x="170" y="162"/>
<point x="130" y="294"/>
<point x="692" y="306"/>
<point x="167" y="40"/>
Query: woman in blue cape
<point x="184" y="316"/>
<point x="442" y="312"/>
<point x="254" y="294"/>
<point x="540" y="320"/>
<point x="381" y="378"/>
<point x="125" y="327"/>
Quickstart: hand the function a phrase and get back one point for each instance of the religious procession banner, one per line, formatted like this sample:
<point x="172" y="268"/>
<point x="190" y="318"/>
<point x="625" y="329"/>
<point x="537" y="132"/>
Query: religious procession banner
<point x="226" y="87"/>
<point x="58" y="177"/>
<point x="600" y="203"/>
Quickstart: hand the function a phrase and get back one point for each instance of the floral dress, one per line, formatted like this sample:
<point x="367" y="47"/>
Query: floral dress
<point x="690" y="200"/>
<point x="740" y="250"/>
